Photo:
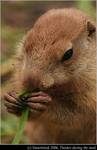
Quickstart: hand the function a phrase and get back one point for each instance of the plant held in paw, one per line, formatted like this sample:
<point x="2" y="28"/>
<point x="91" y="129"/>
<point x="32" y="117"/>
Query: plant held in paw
<point x="22" y="121"/>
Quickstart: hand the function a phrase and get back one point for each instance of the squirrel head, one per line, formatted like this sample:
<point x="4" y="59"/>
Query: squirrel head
<point x="58" y="50"/>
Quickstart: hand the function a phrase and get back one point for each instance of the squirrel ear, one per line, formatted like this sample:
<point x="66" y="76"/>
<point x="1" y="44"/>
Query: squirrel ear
<point x="91" y="28"/>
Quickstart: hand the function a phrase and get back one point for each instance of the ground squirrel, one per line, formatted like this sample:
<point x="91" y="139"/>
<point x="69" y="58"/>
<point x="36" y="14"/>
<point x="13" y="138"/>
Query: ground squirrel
<point x="57" y="63"/>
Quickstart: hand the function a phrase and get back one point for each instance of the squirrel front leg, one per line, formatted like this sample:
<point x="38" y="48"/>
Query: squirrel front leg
<point x="36" y="102"/>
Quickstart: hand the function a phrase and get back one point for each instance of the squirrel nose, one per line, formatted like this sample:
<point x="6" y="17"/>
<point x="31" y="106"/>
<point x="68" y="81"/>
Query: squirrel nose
<point x="36" y="81"/>
<point x="31" y="81"/>
<point x="31" y="84"/>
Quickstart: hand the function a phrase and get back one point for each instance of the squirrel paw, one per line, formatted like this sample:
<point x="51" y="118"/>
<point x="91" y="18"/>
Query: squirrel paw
<point x="38" y="102"/>
<point x="12" y="103"/>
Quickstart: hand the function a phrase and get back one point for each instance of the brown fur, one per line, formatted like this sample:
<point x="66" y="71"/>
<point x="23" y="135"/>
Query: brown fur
<point x="72" y="116"/>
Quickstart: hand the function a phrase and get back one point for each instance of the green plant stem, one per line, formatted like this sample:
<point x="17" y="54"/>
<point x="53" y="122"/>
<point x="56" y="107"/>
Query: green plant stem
<point x="22" y="122"/>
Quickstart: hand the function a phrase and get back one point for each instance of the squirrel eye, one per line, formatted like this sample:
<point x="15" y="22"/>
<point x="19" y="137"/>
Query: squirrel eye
<point x="67" y="55"/>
